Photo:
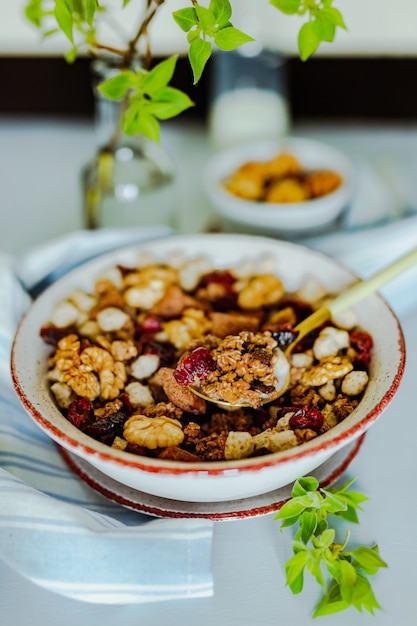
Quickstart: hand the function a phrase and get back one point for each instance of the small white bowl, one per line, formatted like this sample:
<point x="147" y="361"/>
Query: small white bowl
<point x="223" y="480"/>
<point x="286" y="219"/>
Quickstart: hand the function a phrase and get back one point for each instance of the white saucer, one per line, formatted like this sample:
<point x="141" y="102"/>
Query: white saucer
<point x="263" y="504"/>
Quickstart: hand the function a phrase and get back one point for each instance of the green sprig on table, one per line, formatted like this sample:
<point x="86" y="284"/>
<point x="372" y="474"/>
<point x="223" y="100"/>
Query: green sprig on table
<point x="342" y="573"/>
<point x="148" y="97"/>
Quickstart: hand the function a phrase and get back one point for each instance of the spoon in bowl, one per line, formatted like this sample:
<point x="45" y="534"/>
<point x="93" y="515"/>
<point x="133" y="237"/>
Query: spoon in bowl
<point x="353" y="294"/>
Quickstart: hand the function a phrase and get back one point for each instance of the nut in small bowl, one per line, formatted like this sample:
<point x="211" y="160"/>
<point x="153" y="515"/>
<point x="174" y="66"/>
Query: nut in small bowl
<point x="293" y="188"/>
<point x="116" y="327"/>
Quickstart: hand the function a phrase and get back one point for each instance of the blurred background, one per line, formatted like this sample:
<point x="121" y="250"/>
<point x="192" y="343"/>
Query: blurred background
<point x="368" y="71"/>
<point x="358" y="93"/>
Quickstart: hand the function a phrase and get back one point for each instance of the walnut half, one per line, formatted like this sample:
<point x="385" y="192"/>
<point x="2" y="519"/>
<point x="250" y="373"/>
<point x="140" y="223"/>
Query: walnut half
<point x="153" y="432"/>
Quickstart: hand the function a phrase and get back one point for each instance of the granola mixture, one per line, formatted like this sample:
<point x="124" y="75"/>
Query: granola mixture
<point x="123" y="357"/>
<point x="281" y="179"/>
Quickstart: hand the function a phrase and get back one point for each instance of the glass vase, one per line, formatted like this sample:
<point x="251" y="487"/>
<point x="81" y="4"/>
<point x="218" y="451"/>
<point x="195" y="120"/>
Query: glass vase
<point x="130" y="181"/>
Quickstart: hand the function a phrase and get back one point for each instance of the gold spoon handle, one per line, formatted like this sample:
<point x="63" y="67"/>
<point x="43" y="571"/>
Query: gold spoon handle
<point x="356" y="292"/>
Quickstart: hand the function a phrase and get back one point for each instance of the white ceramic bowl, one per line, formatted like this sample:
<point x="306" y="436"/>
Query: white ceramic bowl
<point x="286" y="219"/>
<point x="211" y="481"/>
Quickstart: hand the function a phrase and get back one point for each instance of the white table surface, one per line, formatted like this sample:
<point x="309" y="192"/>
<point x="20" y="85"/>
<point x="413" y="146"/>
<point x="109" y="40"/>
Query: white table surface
<point x="39" y="199"/>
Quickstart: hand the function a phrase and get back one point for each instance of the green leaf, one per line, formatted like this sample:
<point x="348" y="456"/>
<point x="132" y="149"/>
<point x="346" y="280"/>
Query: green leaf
<point x="343" y="488"/>
<point x="348" y="574"/>
<point x="169" y="103"/>
<point x="297" y="583"/>
<point x="349" y="515"/>
<point x="329" y="608"/>
<point x="289" y="7"/>
<point x="308" y="40"/>
<point x="160" y="75"/>
<point x="363" y="596"/>
<point x="333" y="567"/>
<point x="294" y="569"/>
<point x="221" y="10"/>
<point x="199" y="53"/>
<point x="368" y="557"/>
<point x="334" y="15"/>
<point x="71" y="54"/>
<point x="289" y="521"/>
<point x="302" y="485"/>
<point x="292" y="508"/>
<point x="314" y="566"/>
<point x="322" y="525"/>
<point x="334" y="502"/>
<point x="63" y="16"/>
<point x="331" y="602"/>
<point x="137" y="120"/>
<point x="117" y="86"/>
<point x="325" y="30"/>
<point x="327" y="537"/>
<point x="230" y="38"/>
<point x="49" y="33"/>
<point x="185" y="18"/>
<point x="78" y="8"/>
<point x="90" y="11"/>
<point x="193" y="34"/>
<point x="205" y="18"/>
<point x="308" y="525"/>
<point x="354" y="498"/>
<point x="34" y="12"/>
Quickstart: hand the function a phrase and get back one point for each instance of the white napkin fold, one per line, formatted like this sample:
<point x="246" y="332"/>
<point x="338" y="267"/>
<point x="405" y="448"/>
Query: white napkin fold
<point x="56" y="531"/>
<point x="367" y="251"/>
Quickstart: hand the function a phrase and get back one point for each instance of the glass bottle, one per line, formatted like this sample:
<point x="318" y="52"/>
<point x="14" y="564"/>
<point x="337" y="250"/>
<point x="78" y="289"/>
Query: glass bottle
<point x="130" y="181"/>
<point x="248" y="96"/>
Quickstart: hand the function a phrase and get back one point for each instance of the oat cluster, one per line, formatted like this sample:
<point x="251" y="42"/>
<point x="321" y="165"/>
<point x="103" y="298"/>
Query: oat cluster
<point x="115" y="351"/>
<point x="244" y="369"/>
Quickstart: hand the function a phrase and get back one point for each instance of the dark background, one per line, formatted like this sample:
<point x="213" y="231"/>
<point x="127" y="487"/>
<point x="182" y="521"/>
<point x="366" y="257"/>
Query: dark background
<point x="360" y="88"/>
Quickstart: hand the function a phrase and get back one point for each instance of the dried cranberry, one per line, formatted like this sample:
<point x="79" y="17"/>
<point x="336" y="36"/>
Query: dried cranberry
<point x="106" y="428"/>
<point x="307" y="342"/>
<point x="145" y="332"/>
<point x="307" y="417"/>
<point x="220" y="277"/>
<point x="80" y="413"/>
<point x="152" y="324"/>
<point x="141" y="337"/>
<point x="361" y="341"/>
<point x="198" y="363"/>
<point x="127" y="405"/>
<point x="362" y="360"/>
<point x="51" y="335"/>
<point x="165" y="350"/>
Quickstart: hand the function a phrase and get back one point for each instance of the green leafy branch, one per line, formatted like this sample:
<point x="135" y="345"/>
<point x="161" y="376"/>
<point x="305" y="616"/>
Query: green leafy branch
<point x="205" y="24"/>
<point x="323" y="20"/>
<point x="148" y="97"/>
<point x="342" y="573"/>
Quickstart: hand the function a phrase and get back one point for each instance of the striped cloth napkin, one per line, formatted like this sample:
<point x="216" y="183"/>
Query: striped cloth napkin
<point x="56" y="531"/>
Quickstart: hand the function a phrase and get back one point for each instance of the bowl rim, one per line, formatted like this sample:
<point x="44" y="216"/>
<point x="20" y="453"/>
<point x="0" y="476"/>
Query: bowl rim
<point x="76" y="441"/>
